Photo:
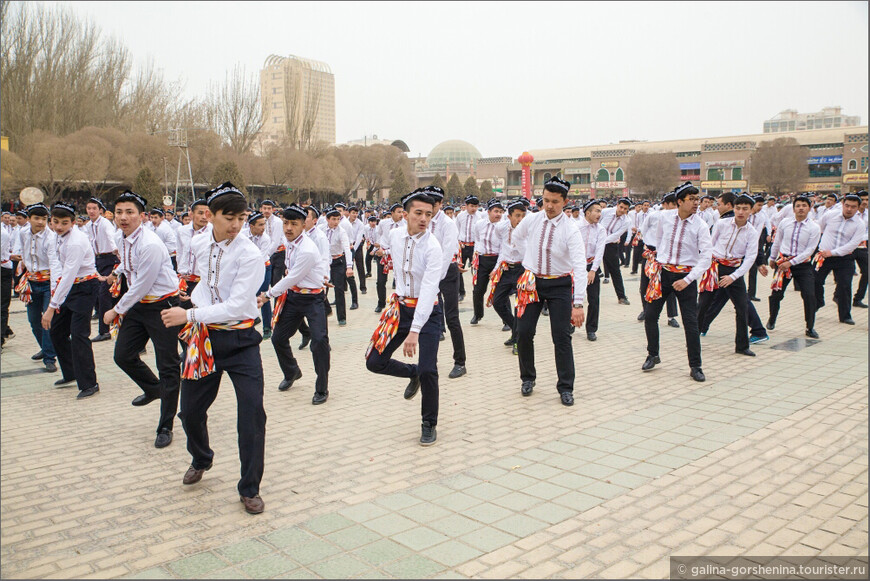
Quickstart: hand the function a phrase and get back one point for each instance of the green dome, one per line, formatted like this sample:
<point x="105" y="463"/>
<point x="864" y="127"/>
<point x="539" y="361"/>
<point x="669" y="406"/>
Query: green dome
<point x="453" y="152"/>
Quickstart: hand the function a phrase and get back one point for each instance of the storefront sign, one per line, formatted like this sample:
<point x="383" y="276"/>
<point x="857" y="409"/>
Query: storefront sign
<point x="726" y="185"/>
<point x="824" y="186"/>
<point x="576" y="170"/>
<point x="714" y="164"/>
<point x="609" y="164"/>
<point x="825" y="159"/>
<point x="691" y="165"/>
<point x="855" y="178"/>
<point x="581" y="191"/>
<point x="609" y="185"/>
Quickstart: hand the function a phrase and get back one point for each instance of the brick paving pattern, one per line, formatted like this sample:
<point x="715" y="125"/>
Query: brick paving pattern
<point x="768" y="457"/>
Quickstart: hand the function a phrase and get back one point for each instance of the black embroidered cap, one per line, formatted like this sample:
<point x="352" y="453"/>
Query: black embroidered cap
<point x="557" y="185"/>
<point x="224" y="189"/>
<point x="296" y="212"/>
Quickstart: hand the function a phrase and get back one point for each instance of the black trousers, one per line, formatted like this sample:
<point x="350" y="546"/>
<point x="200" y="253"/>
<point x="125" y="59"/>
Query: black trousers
<point x="296" y="308"/>
<point x="105" y="264"/>
<point x="141" y="323"/>
<point x="736" y="293"/>
<point x="556" y="295"/>
<point x="466" y="255"/>
<point x="860" y="255"/>
<point x="70" y="332"/>
<point x="844" y="269"/>
<point x="760" y="259"/>
<point x="427" y="365"/>
<point x="5" y="299"/>
<point x="756" y="327"/>
<point x="277" y="262"/>
<point x="359" y="260"/>
<point x="369" y="257"/>
<point x="449" y="299"/>
<point x="485" y="264"/>
<point x="237" y="353"/>
<point x="688" y="298"/>
<point x="671" y="301"/>
<point x="338" y="277"/>
<point x="624" y="251"/>
<point x="593" y="298"/>
<point x="381" y="284"/>
<point x="637" y="259"/>
<point x="804" y="276"/>
<point x="501" y="302"/>
<point x="611" y="261"/>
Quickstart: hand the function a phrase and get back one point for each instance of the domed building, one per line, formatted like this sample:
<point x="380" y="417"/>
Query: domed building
<point x="447" y="158"/>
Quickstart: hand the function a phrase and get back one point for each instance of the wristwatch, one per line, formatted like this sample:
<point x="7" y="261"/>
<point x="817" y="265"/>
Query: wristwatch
<point x="576" y="306"/>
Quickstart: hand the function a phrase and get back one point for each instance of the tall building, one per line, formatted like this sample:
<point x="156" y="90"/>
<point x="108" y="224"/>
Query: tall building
<point x="827" y="118"/>
<point x="298" y="100"/>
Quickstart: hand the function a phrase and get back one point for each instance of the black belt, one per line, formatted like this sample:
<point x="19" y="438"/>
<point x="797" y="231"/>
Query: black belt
<point x="106" y="254"/>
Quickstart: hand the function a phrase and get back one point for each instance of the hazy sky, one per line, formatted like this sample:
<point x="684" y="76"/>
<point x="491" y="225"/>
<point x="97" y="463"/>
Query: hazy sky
<point x="512" y="76"/>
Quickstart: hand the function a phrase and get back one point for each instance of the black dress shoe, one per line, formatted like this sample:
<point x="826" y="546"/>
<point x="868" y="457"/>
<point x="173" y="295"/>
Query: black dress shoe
<point x="641" y="316"/>
<point x="363" y="291"/>
<point x="672" y="322"/>
<point x="697" y="374"/>
<point x="591" y="336"/>
<point x="64" y="382"/>
<point x="747" y="352"/>
<point x="506" y="328"/>
<point x="771" y="324"/>
<point x="514" y="351"/>
<point x="461" y="297"/>
<point x="353" y="306"/>
<point x="527" y="388"/>
<point x="342" y="323"/>
<point x="378" y="309"/>
<point x="194" y="475"/>
<point x="442" y="337"/>
<point x="811" y="333"/>
<point x="567" y="398"/>
<point x="288" y="383"/>
<point x="101" y="337"/>
<point x="755" y="299"/>
<point x="50" y="366"/>
<point x="624" y="302"/>
<point x="510" y="342"/>
<point x="474" y="320"/>
<point x="545" y="311"/>
<point x="144" y="399"/>
<point x="306" y="339"/>
<point x="457" y="371"/>
<point x="413" y="387"/>
<point x="428" y="434"/>
<point x="164" y="438"/>
<point x="319" y="398"/>
<point x="37" y="356"/>
<point x="651" y="361"/>
<point x="848" y="322"/>
<point x="859" y="304"/>
<point x="88" y="392"/>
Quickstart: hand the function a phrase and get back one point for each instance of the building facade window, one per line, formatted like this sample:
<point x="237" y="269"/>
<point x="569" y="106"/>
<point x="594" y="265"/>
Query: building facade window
<point x="715" y="175"/>
<point x="737" y="173"/>
<point x="620" y="175"/>
<point x="602" y="176"/>
<point x="853" y="164"/>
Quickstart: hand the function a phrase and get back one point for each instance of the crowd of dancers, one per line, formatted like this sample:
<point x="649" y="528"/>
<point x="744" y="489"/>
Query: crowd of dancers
<point x="198" y="286"/>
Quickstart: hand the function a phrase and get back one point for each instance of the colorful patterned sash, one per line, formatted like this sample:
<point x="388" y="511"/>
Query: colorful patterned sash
<point x="527" y="292"/>
<point x="636" y="238"/>
<point x="115" y="287"/>
<point x="388" y="325"/>
<point x="199" y="360"/>
<point x="279" y="302"/>
<point x="654" y="271"/>
<point x="475" y="265"/>
<point x="494" y="277"/>
<point x="818" y="260"/>
<point x="115" y="326"/>
<point x="863" y="244"/>
<point x="710" y="278"/>
<point x="281" y="248"/>
<point x="780" y="275"/>
<point x="23" y="287"/>
<point x="387" y="261"/>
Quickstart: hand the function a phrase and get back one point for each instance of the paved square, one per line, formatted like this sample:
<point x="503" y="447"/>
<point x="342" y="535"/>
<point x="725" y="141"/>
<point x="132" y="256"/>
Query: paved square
<point x="768" y="457"/>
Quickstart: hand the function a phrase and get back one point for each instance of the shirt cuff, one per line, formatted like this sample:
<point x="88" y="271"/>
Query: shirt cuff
<point x="416" y="329"/>
<point x="191" y="315"/>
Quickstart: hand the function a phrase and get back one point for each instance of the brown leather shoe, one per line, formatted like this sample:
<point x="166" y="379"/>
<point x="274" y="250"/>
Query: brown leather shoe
<point x="192" y="476"/>
<point x="253" y="505"/>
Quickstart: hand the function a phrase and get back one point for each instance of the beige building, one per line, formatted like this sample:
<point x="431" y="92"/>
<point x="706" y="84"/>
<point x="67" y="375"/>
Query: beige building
<point x="827" y="118"/>
<point x="298" y="100"/>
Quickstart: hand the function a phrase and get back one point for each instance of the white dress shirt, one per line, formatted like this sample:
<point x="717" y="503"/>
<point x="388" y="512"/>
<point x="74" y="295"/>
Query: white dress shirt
<point x="76" y="255"/>
<point x="465" y="225"/>
<point x="649" y="229"/>
<point x="146" y="264"/>
<point x="486" y="238"/>
<point x="174" y="224"/>
<point x="614" y="226"/>
<point x="5" y="246"/>
<point x="39" y="251"/>
<point x="339" y="243"/>
<point x="370" y="233"/>
<point x="839" y="235"/>
<point x="417" y="265"/>
<point x="443" y="227"/>
<point x="729" y="241"/>
<point x="185" y="257"/>
<point x="319" y="239"/>
<point x="231" y="272"/>
<point x="759" y="221"/>
<point x="305" y="267"/>
<point x="512" y="249"/>
<point x="166" y="235"/>
<point x="264" y="244"/>
<point x="356" y="235"/>
<point x="384" y="228"/>
<point x="101" y="234"/>
<point x="684" y="242"/>
<point x="554" y="248"/>
<point x="786" y="212"/>
<point x="275" y="230"/>
<point x="798" y="239"/>
<point x="593" y="237"/>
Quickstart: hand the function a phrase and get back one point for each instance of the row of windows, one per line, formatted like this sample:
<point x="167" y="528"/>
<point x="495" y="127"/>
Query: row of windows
<point x="825" y="146"/>
<point x="719" y="174"/>
<point x="613" y="153"/>
<point x="688" y="153"/>
<point x="730" y="146"/>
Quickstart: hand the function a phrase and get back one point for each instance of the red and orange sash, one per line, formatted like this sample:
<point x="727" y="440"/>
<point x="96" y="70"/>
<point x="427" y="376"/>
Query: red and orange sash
<point x="494" y="277"/>
<point x="199" y="360"/>
<point x="818" y="260"/>
<point x="779" y="276"/>
<point x="475" y="265"/>
<point x="636" y="238"/>
<point x="388" y="326"/>
<point x="654" y="271"/>
<point x="23" y="288"/>
<point x="526" y="292"/>
<point x="387" y="262"/>
<point x="115" y="327"/>
<point x="279" y="302"/>
<point x="710" y="278"/>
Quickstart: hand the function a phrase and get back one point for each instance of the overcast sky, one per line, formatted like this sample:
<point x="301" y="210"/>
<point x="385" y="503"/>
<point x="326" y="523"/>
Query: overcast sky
<point x="513" y="76"/>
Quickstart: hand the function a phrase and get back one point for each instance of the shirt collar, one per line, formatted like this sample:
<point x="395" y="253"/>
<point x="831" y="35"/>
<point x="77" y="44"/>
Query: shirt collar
<point x="223" y="243"/>
<point x="555" y="220"/>
<point x="134" y="236"/>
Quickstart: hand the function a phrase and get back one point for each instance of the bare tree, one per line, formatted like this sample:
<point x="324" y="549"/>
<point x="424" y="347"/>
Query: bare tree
<point x="234" y="109"/>
<point x="780" y="165"/>
<point x="651" y="174"/>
